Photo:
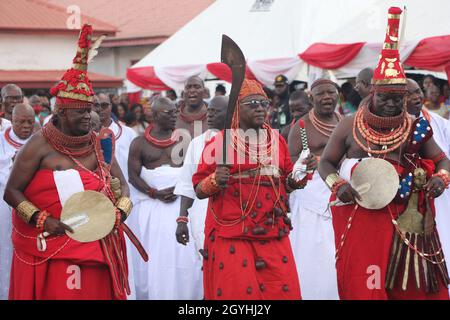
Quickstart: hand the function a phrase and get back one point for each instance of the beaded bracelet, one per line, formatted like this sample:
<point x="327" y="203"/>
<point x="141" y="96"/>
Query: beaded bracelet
<point x="299" y="184"/>
<point x="151" y="193"/>
<point x="209" y="185"/>
<point x="444" y="175"/>
<point x="183" y="219"/>
<point x="337" y="185"/>
<point x="438" y="158"/>
<point x="41" y="218"/>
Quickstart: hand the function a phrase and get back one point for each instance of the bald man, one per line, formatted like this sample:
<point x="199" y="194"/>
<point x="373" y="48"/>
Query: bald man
<point x="11" y="140"/>
<point x="441" y="134"/>
<point x="171" y="273"/>
<point x="363" y="82"/>
<point x="193" y="111"/>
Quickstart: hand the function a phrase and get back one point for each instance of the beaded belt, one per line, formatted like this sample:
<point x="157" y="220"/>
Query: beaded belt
<point x="264" y="171"/>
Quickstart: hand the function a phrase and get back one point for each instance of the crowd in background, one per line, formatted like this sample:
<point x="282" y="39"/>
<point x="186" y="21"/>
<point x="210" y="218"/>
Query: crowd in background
<point x="138" y="115"/>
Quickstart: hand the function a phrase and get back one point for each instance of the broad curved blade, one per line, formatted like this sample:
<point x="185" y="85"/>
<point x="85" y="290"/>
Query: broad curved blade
<point x="232" y="56"/>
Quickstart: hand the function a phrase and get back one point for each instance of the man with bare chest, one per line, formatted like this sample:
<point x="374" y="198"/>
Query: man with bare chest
<point x="62" y="159"/>
<point x="192" y="116"/>
<point x="152" y="167"/>
<point x="391" y="251"/>
<point x="312" y="237"/>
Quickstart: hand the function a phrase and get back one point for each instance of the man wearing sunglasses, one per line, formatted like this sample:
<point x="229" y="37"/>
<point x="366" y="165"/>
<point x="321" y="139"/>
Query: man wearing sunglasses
<point x="247" y="253"/>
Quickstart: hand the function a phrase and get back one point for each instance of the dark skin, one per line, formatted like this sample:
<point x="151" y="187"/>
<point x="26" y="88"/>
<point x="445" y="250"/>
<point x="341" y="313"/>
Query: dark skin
<point x="281" y="89"/>
<point x="12" y="97"/>
<point x="105" y="110"/>
<point x="250" y="118"/>
<point x="38" y="154"/>
<point x="363" y="82"/>
<point x="144" y="154"/>
<point x="23" y="121"/>
<point x="298" y="107"/>
<point x="415" y="98"/>
<point x="325" y="98"/>
<point x="216" y="114"/>
<point x="193" y="101"/>
<point x="343" y="144"/>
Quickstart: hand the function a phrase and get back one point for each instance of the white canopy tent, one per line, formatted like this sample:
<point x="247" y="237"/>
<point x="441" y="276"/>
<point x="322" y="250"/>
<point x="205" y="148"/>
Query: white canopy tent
<point x="272" y="34"/>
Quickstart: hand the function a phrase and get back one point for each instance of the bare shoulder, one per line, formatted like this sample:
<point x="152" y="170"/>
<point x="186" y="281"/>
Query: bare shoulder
<point x="346" y="123"/>
<point x="37" y="143"/>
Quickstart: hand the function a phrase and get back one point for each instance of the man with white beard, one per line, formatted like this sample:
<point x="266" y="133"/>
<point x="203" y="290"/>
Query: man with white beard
<point x="11" y="140"/>
<point x="441" y="134"/>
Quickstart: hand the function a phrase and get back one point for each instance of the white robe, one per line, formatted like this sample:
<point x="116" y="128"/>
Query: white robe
<point x="121" y="153"/>
<point x="5" y="124"/>
<point x="312" y="241"/>
<point x="7" y="152"/>
<point x="173" y="270"/>
<point x="184" y="187"/>
<point x="441" y="134"/>
<point x="123" y="145"/>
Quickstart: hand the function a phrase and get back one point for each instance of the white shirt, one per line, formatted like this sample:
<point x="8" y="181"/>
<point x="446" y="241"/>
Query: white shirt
<point x="4" y="124"/>
<point x="124" y="136"/>
<point x="184" y="185"/>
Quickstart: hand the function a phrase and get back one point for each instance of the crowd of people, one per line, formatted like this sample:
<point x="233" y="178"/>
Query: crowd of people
<point x="260" y="207"/>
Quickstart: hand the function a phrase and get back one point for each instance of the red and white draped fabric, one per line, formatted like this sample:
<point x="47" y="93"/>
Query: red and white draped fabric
<point x="345" y="60"/>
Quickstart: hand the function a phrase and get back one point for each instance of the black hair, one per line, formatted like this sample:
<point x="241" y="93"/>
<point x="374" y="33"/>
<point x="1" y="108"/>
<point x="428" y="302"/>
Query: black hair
<point x="221" y="88"/>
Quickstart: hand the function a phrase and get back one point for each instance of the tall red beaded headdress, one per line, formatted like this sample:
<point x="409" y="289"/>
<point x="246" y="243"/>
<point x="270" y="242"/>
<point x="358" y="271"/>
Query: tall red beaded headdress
<point x="75" y="90"/>
<point x="389" y="71"/>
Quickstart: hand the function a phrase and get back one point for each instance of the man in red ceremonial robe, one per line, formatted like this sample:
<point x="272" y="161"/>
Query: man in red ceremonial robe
<point x="393" y="252"/>
<point x="64" y="158"/>
<point x="247" y="253"/>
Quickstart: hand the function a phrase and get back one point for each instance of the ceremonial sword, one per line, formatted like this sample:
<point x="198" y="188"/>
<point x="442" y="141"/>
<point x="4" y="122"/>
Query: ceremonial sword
<point x="233" y="57"/>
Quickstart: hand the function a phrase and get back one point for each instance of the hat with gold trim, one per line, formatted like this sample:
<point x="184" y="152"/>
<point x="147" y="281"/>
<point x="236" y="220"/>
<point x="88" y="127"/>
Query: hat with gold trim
<point x="389" y="70"/>
<point x="75" y="89"/>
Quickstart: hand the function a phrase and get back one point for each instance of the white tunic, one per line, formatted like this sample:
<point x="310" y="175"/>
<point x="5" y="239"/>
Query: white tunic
<point x="173" y="270"/>
<point x="184" y="187"/>
<point x="124" y="137"/>
<point x="7" y="152"/>
<point x="312" y="241"/>
<point x="4" y="124"/>
<point x="441" y="134"/>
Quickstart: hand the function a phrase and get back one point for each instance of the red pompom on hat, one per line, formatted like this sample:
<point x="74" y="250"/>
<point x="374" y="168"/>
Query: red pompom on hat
<point x="389" y="70"/>
<point x="75" y="90"/>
